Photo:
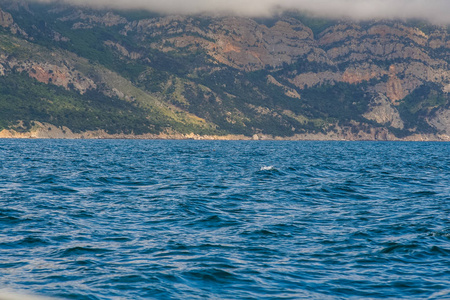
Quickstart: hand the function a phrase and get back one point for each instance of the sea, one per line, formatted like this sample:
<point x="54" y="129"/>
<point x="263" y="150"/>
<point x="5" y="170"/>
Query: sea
<point x="163" y="219"/>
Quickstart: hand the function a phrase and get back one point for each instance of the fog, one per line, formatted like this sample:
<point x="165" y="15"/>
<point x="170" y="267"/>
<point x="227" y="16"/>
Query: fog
<point x="437" y="11"/>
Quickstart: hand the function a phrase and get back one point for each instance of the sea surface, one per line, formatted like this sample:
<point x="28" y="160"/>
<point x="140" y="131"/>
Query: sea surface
<point x="129" y="219"/>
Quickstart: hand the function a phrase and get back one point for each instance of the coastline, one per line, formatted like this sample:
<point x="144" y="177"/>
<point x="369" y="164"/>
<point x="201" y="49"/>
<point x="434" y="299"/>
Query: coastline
<point x="48" y="131"/>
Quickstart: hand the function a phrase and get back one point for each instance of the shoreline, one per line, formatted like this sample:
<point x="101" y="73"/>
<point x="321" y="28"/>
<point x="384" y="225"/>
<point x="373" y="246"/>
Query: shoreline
<point x="48" y="131"/>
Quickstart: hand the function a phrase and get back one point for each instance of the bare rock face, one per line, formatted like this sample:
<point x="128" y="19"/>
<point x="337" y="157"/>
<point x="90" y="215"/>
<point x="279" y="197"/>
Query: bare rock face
<point x="311" y="79"/>
<point x="386" y="60"/>
<point x="362" y="72"/>
<point x="394" y="89"/>
<point x="441" y="121"/>
<point x="59" y="38"/>
<point x="7" y="21"/>
<point x="252" y="46"/>
<point x="290" y="92"/>
<point x="58" y="75"/>
<point x="399" y="57"/>
<point x="383" y="112"/>
<point x="122" y="50"/>
<point x="377" y="42"/>
<point x="238" y="42"/>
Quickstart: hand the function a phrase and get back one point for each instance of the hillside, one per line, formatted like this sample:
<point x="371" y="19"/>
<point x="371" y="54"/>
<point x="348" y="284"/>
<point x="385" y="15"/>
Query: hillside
<point x="128" y="73"/>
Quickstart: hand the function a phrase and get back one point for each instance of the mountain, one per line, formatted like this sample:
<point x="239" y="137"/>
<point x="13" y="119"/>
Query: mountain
<point x="71" y="71"/>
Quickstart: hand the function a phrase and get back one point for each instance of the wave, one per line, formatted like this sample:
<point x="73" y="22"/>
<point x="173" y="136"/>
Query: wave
<point x="268" y="168"/>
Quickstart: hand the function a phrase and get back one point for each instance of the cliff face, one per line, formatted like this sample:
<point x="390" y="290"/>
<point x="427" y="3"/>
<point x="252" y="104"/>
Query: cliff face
<point x="392" y="59"/>
<point x="6" y="21"/>
<point x="352" y="53"/>
<point x="236" y="42"/>
<point x="281" y="77"/>
<point x="401" y="58"/>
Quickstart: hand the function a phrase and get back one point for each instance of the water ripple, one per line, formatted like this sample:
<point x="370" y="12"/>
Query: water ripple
<point x="225" y="220"/>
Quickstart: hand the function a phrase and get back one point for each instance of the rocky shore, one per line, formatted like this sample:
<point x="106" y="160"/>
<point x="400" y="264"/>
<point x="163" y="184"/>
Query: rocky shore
<point x="48" y="131"/>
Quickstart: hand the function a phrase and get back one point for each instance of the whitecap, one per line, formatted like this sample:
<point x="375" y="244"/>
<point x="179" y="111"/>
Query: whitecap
<point x="440" y="295"/>
<point x="267" y="168"/>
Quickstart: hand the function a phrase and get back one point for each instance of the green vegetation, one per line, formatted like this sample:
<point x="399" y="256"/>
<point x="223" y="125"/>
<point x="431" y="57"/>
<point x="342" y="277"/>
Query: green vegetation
<point x="88" y="43"/>
<point x="421" y="103"/>
<point x="316" y="24"/>
<point x="341" y="101"/>
<point x="25" y="99"/>
<point x="137" y="14"/>
<point x="422" y="25"/>
<point x="170" y="88"/>
<point x="262" y="106"/>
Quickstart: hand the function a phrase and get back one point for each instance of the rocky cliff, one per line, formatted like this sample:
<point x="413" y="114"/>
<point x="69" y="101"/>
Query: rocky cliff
<point x="285" y="76"/>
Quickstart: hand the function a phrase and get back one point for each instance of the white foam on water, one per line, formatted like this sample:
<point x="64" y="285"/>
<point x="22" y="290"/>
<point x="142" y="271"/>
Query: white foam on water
<point x="441" y="294"/>
<point x="6" y="294"/>
<point x="267" y="168"/>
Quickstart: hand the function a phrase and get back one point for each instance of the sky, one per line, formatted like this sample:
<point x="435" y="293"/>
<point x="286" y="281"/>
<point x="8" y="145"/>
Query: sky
<point x="437" y="11"/>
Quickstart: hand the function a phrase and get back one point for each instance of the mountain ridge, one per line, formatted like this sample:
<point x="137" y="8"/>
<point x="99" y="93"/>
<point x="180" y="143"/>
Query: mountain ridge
<point x="131" y="75"/>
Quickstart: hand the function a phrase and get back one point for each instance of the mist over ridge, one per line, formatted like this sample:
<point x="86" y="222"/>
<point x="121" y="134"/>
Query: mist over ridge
<point x="436" y="11"/>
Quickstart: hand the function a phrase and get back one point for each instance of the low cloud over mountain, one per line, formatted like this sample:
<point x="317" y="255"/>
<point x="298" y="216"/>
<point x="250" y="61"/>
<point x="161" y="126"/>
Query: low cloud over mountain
<point x="437" y="11"/>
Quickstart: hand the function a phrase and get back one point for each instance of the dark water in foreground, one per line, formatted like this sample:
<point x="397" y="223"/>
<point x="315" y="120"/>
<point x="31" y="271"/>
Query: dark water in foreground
<point x="225" y="220"/>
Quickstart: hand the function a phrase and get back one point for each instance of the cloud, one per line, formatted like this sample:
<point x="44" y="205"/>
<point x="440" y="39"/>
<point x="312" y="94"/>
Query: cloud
<point x="437" y="11"/>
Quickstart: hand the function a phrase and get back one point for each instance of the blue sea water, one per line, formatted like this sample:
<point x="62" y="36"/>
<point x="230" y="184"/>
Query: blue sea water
<point x="128" y="219"/>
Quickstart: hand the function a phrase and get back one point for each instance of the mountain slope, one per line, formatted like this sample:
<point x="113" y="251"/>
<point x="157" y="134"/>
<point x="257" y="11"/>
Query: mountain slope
<point x="291" y="76"/>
